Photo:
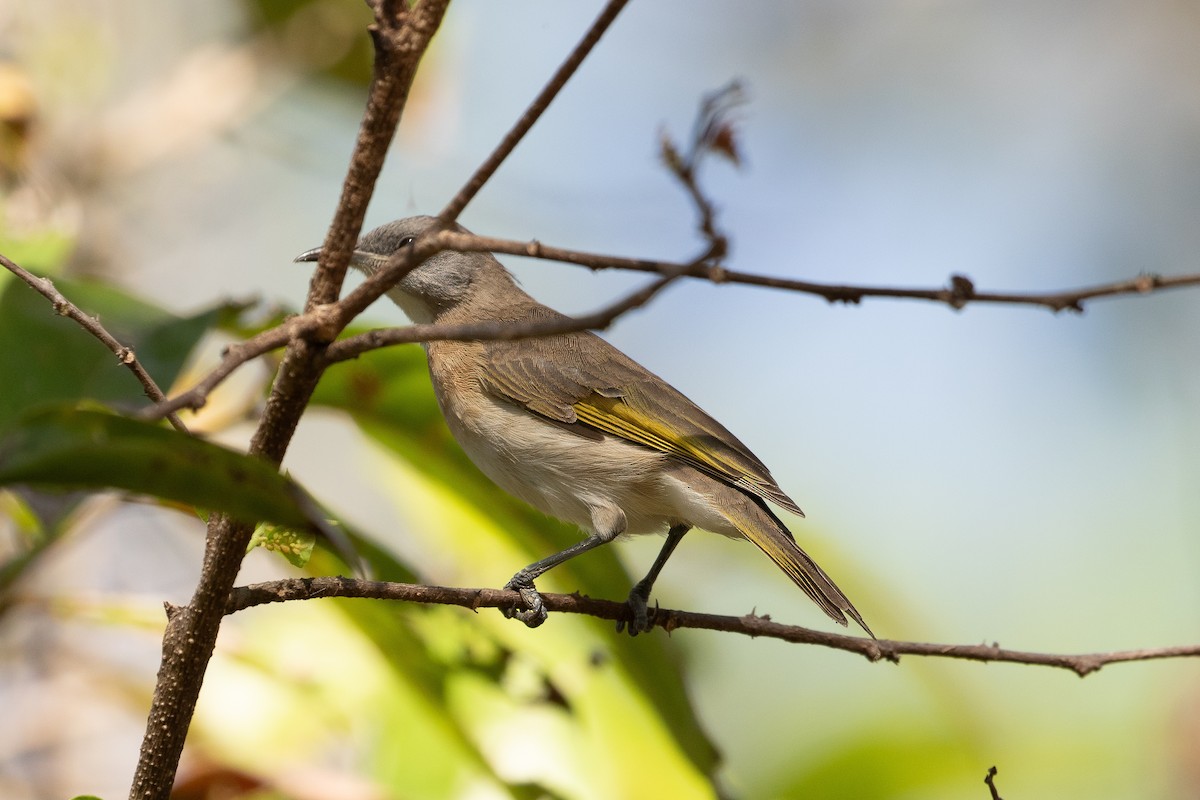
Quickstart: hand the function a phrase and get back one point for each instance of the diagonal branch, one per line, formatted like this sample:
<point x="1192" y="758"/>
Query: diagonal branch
<point x="234" y="356"/>
<point x="402" y="35"/>
<point x="1081" y="664"/>
<point x="713" y="134"/>
<point x="125" y="355"/>
<point x="534" y="112"/>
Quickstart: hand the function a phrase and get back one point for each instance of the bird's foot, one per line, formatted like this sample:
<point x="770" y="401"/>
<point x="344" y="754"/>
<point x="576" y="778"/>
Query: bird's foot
<point x="534" y="613"/>
<point x="639" y="614"/>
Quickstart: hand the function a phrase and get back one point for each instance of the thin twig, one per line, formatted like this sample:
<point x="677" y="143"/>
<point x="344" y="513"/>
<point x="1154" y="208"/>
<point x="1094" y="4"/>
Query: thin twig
<point x="990" y="780"/>
<point x="959" y="293"/>
<point x="234" y="356"/>
<point x="600" y="319"/>
<point x="752" y="625"/>
<point x="712" y="133"/>
<point x="534" y="112"/>
<point x="398" y="35"/>
<point x="125" y="355"/>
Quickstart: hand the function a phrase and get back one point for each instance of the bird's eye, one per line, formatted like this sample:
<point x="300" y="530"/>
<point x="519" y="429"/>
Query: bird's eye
<point x="407" y="240"/>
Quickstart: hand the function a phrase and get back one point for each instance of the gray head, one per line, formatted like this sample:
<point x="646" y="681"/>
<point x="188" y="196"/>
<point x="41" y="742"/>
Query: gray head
<point x="439" y="283"/>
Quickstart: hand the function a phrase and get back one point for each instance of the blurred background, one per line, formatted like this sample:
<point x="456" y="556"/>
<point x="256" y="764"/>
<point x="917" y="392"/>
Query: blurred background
<point x="999" y="474"/>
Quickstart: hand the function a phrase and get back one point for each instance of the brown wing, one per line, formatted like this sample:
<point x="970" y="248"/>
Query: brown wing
<point x="589" y="382"/>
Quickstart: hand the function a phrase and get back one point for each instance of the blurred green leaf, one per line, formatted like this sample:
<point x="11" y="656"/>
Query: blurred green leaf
<point x="328" y="36"/>
<point x="381" y="563"/>
<point x="42" y="251"/>
<point x="66" y="448"/>
<point x="910" y="760"/>
<point x="389" y="395"/>
<point x="48" y="358"/>
<point x="32" y="542"/>
<point x="394" y="631"/>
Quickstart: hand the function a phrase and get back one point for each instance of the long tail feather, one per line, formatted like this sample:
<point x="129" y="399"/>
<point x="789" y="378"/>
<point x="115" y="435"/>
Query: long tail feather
<point x="756" y="522"/>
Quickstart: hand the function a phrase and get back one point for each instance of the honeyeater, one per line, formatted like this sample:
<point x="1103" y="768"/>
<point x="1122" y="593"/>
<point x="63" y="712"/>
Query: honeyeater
<point x="582" y="432"/>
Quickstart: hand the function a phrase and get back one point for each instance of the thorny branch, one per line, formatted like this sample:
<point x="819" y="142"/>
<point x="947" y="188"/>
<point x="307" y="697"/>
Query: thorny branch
<point x="713" y="132"/>
<point x="1082" y="664"/>
<point x="124" y="354"/>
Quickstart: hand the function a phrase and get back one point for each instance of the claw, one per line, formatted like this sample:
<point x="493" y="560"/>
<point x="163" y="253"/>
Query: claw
<point x="534" y="613"/>
<point x="639" y="616"/>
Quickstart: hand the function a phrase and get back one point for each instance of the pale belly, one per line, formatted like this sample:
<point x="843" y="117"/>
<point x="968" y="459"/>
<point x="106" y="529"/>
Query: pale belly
<point x="598" y="484"/>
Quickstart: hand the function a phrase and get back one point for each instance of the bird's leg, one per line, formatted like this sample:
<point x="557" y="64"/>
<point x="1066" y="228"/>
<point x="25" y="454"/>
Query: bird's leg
<point x="639" y="595"/>
<point x="609" y="523"/>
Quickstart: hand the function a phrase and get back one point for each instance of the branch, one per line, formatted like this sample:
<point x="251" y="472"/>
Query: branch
<point x="990" y="780"/>
<point x="401" y="36"/>
<point x="125" y="355"/>
<point x="712" y="133"/>
<point x="355" y="346"/>
<point x="534" y="112"/>
<point x="752" y="625"/>
<point x="234" y="356"/>
<point x="960" y="291"/>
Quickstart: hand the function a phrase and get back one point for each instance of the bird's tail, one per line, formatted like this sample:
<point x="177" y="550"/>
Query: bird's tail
<point x="750" y="516"/>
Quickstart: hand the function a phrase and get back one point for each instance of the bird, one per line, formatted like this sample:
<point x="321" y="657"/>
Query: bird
<point x="582" y="432"/>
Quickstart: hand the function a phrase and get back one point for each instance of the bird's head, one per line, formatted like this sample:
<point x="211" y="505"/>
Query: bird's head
<point x="442" y="281"/>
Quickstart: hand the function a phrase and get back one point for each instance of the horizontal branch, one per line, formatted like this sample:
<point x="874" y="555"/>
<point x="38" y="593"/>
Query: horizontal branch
<point x="354" y="346"/>
<point x="324" y="321"/>
<point x="125" y="355"/>
<point x="243" y="597"/>
<point x="957" y="294"/>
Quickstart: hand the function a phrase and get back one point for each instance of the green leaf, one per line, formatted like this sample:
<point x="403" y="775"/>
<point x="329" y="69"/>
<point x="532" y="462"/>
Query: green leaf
<point x="344" y="53"/>
<point x="50" y="359"/>
<point x="42" y="251"/>
<point x="912" y="759"/>
<point x="33" y="535"/>
<point x="70" y="448"/>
